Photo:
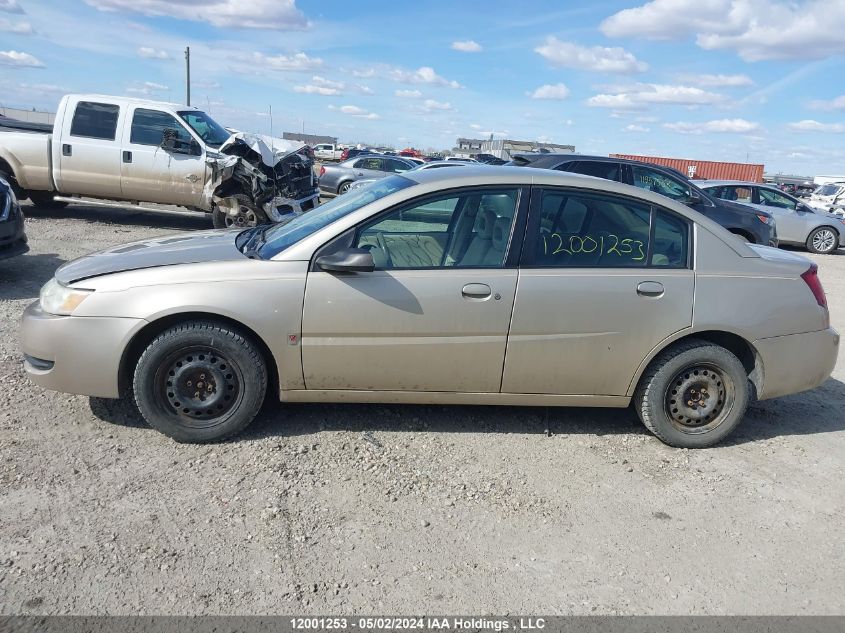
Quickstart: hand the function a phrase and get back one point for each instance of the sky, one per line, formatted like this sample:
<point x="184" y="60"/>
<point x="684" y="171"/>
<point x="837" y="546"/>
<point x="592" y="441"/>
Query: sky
<point x="759" y="81"/>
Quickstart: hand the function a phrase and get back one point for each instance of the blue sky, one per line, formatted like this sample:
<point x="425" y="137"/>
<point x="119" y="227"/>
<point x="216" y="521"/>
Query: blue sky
<point x="756" y="80"/>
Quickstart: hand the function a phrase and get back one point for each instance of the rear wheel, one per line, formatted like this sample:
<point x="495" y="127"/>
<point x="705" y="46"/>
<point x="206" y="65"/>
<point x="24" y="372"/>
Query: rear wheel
<point x="693" y="394"/>
<point x="343" y="188"/>
<point x="200" y="382"/>
<point x="44" y="199"/>
<point x="823" y="240"/>
<point x="237" y="211"/>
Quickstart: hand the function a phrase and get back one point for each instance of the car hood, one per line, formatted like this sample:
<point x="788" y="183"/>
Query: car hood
<point x="183" y="248"/>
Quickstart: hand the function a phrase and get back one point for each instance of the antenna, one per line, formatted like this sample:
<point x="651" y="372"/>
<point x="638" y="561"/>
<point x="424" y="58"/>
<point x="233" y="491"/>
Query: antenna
<point x="188" y="74"/>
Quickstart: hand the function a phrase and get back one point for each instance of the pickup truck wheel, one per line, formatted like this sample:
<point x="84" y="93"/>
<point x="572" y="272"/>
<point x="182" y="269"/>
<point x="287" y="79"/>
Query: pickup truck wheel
<point x="823" y="240"/>
<point x="247" y="214"/>
<point x="44" y="199"/>
<point x="693" y="394"/>
<point x="200" y="382"/>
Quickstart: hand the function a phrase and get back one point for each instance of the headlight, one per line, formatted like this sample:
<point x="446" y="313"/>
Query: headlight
<point x="58" y="299"/>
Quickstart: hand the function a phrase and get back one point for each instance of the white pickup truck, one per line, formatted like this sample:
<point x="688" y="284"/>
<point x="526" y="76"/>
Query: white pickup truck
<point x="122" y="151"/>
<point x="328" y="151"/>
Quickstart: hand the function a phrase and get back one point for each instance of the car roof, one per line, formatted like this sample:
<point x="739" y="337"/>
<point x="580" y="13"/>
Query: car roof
<point x="538" y="156"/>
<point x="744" y="183"/>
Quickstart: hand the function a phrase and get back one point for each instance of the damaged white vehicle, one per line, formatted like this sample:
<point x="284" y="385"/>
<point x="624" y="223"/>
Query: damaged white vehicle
<point x="118" y="151"/>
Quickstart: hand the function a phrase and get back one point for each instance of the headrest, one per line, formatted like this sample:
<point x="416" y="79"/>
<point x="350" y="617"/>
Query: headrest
<point x="484" y="224"/>
<point x="501" y="233"/>
<point x="500" y="204"/>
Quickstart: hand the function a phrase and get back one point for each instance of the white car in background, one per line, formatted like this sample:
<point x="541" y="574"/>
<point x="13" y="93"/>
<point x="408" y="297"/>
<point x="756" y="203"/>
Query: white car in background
<point x="830" y="198"/>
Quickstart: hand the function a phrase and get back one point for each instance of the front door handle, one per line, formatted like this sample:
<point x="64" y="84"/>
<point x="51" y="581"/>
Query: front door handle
<point x="476" y="292"/>
<point x="650" y="289"/>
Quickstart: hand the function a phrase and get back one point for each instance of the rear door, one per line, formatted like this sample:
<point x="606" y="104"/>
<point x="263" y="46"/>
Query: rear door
<point x="792" y="225"/>
<point x="603" y="280"/>
<point x="89" y="162"/>
<point x="151" y="174"/>
<point x="369" y="168"/>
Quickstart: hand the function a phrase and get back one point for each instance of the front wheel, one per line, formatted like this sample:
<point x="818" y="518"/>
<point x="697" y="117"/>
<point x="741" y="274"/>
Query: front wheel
<point x="823" y="240"/>
<point x="236" y="212"/>
<point x="693" y="394"/>
<point x="200" y="382"/>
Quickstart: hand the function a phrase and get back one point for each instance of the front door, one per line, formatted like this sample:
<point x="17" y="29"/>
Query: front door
<point x="596" y="292"/>
<point x="151" y="174"/>
<point x="434" y="315"/>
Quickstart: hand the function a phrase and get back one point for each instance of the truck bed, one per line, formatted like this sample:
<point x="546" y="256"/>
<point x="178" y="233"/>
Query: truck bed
<point x="25" y="126"/>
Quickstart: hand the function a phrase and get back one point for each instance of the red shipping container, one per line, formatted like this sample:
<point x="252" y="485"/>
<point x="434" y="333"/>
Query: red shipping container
<point x="704" y="169"/>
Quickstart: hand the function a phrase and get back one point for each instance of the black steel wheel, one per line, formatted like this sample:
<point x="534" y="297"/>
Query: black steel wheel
<point x="200" y="382"/>
<point x="693" y="394"/>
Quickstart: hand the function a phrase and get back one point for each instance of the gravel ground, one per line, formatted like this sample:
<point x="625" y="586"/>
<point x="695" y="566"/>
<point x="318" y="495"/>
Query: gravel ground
<point x="401" y="509"/>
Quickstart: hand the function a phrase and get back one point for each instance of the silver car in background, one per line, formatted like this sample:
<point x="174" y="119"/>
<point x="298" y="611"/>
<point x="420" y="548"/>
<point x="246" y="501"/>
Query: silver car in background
<point x="798" y="223"/>
<point x="478" y="285"/>
<point x="336" y="179"/>
<point x="829" y="197"/>
<point x="422" y="166"/>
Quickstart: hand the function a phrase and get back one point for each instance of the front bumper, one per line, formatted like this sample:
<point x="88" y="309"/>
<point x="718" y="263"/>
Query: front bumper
<point x="279" y="208"/>
<point x="796" y="362"/>
<point x="75" y="354"/>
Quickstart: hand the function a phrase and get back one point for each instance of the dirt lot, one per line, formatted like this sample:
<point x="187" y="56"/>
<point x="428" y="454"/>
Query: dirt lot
<point x="400" y="509"/>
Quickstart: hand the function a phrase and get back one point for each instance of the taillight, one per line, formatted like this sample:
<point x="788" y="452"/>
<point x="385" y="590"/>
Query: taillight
<point x="322" y="170"/>
<point x="765" y="219"/>
<point x="811" y="278"/>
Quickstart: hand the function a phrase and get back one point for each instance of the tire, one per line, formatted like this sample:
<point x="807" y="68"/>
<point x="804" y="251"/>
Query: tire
<point x="693" y="369"/>
<point x="44" y="200"/>
<point x="344" y="188"/>
<point x="226" y="370"/>
<point x="248" y="214"/>
<point x="823" y="240"/>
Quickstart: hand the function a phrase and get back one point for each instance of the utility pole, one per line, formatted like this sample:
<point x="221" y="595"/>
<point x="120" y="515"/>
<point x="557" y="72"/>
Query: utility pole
<point x="188" y="75"/>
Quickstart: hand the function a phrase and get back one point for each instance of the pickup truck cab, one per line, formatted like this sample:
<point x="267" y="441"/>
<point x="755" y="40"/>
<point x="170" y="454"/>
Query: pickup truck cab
<point x="327" y="151"/>
<point x="129" y="150"/>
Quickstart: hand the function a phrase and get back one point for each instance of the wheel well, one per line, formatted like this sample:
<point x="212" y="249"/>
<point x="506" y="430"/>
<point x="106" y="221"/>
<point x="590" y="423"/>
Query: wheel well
<point x="744" y="234"/>
<point x="146" y="335"/>
<point x="343" y="182"/>
<point x="738" y="346"/>
<point x="7" y="169"/>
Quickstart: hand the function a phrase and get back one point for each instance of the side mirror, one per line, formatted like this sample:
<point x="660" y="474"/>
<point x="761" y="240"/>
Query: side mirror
<point x="692" y="200"/>
<point x="348" y="260"/>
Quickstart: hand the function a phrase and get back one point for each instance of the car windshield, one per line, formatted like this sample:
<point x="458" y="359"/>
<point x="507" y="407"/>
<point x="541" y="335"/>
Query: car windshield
<point x="828" y="190"/>
<point x="209" y="130"/>
<point x="282" y="236"/>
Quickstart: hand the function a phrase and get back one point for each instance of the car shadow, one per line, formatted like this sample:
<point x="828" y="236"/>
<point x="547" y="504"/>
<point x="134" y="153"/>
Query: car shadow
<point x="176" y="219"/>
<point x="814" y="412"/>
<point x="21" y="277"/>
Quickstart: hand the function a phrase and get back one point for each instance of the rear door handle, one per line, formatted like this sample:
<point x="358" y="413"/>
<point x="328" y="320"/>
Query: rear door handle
<point x="477" y="292"/>
<point x="650" y="289"/>
<point x="127" y="156"/>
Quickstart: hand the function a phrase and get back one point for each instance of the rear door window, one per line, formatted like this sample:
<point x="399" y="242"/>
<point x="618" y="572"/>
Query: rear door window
<point x="599" y="169"/>
<point x="95" y="120"/>
<point x="733" y="193"/>
<point x="370" y="163"/>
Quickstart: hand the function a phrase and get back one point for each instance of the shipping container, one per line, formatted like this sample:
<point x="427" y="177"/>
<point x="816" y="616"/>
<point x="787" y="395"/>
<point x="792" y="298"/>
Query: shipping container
<point x="704" y="169"/>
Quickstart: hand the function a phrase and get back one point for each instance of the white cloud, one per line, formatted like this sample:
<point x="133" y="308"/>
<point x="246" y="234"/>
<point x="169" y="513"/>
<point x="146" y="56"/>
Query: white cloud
<point x="467" y="46"/>
<point x="408" y="94"/>
<point x="755" y="29"/>
<point x="279" y="15"/>
<point x="735" y="126"/>
<point x="289" y="63"/>
<point x="147" y="88"/>
<point x="11" y="6"/>
<point x="18" y="28"/>
<point x="317" y="80"/>
<point x="364" y="73"/>
<point x="317" y="90"/>
<point x="837" y="103"/>
<point x="556" y="92"/>
<point x="423" y="75"/>
<point x="711" y="81"/>
<point x="355" y="111"/>
<point x="17" y="59"/>
<point x="209" y="85"/>
<point x="152" y="53"/>
<point x="636" y="128"/>
<point x="593" y="58"/>
<point x="430" y="105"/>
<point x="809" y="125"/>
<point x="641" y="95"/>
